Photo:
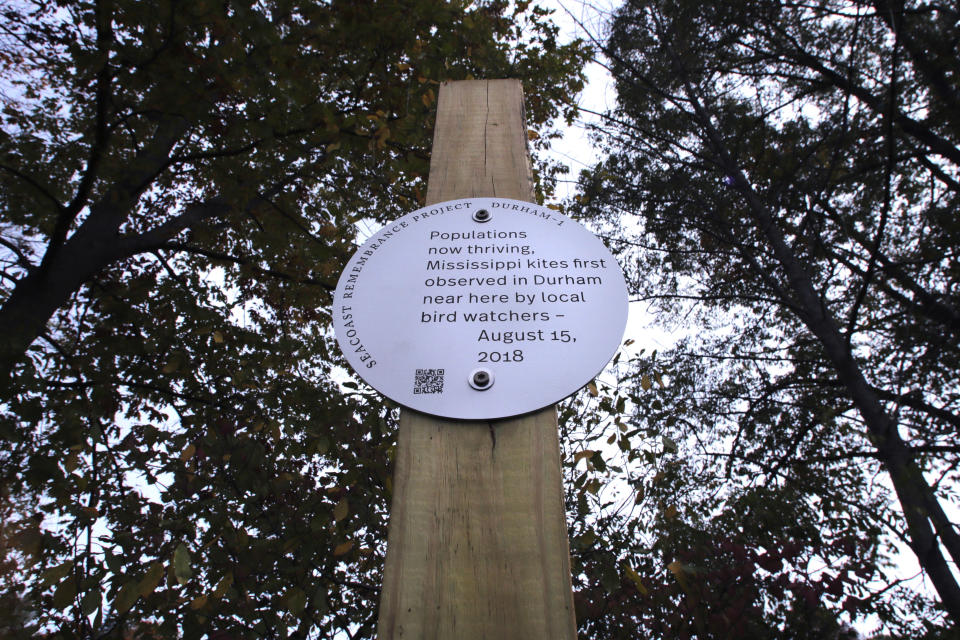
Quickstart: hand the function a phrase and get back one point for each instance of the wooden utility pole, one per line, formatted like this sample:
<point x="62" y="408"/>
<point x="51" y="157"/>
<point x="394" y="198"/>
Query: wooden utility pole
<point x="477" y="545"/>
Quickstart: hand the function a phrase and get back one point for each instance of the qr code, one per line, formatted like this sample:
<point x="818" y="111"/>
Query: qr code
<point x="428" y="381"/>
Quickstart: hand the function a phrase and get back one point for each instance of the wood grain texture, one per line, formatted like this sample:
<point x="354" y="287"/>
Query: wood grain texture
<point x="477" y="544"/>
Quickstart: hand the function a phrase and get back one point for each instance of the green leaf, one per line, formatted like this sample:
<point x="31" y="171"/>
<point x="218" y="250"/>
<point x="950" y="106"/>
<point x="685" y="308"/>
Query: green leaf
<point x="151" y="579"/>
<point x="635" y="579"/>
<point x="609" y="577"/>
<point x="55" y="574"/>
<point x="72" y="461"/>
<point x="319" y="601"/>
<point x="320" y="445"/>
<point x="65" y="593"/>
<point x="92" y="600"/>
<point x="127" y="595"/>
<point x="669" y="445"/>
<point x="586" y="539"/>
<point x="598" y="462"/>
<point x="181" y="564"/>
<point x="296" y="600"/>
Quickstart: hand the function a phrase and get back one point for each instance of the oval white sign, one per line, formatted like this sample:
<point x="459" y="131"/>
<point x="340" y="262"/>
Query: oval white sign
<point x="480" y="308"/>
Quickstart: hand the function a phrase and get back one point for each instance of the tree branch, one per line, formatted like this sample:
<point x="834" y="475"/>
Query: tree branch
<point x="242" y="260"/>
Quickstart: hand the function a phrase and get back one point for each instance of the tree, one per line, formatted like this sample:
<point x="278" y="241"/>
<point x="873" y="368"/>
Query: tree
<point x="180" y="187"/>
<point x="791" y="170"/>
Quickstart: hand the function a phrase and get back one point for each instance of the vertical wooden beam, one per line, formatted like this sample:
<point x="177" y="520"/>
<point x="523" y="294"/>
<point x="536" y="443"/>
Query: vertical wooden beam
<point x="477" y="544"/>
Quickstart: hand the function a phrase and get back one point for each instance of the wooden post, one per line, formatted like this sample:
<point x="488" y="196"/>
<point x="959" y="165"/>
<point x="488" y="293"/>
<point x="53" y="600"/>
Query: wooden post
<point x="477" y="545"/>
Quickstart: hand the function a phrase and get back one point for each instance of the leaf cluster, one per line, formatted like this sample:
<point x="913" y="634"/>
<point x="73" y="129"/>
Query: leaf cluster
<point x="780" y="175"/>
<point x="180" y="184"/>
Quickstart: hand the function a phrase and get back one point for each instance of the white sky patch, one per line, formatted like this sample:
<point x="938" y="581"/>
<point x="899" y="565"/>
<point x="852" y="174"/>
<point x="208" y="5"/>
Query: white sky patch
<point x="574" y="149"/>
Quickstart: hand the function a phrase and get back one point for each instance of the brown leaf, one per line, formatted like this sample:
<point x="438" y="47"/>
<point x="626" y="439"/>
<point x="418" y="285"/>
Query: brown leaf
<point x="580" y="455"/>
<point x="223" y="585"/>
<point x="341" y="510"/>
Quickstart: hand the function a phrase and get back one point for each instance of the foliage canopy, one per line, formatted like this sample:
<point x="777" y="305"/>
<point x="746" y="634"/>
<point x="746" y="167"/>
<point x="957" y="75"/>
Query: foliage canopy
<point x="179" y="187"/>
<point x="792" y="171"/>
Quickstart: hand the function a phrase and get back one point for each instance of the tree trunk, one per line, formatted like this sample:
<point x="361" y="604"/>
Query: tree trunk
<point x="917" y="498"/>
<point x="95" y="245"/>
<point x="37" y="296"/>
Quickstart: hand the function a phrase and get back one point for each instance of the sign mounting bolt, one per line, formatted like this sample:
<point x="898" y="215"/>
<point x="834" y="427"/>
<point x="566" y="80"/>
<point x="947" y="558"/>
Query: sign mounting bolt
<point x="482" y="215"/>
<point x="481" y="379"/>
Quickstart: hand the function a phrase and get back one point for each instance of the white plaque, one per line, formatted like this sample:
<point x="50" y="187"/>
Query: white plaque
<point x="480" y="308"/>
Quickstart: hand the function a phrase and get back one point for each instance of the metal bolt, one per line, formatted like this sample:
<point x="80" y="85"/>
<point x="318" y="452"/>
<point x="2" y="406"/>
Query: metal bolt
<point x="481" y="379"/>
<point x="481" y="215"/>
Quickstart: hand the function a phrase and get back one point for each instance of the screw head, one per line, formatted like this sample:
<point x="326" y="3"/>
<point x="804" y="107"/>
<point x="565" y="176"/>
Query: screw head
<point x="482" y="215"/>
<point x="480" y="379"/>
